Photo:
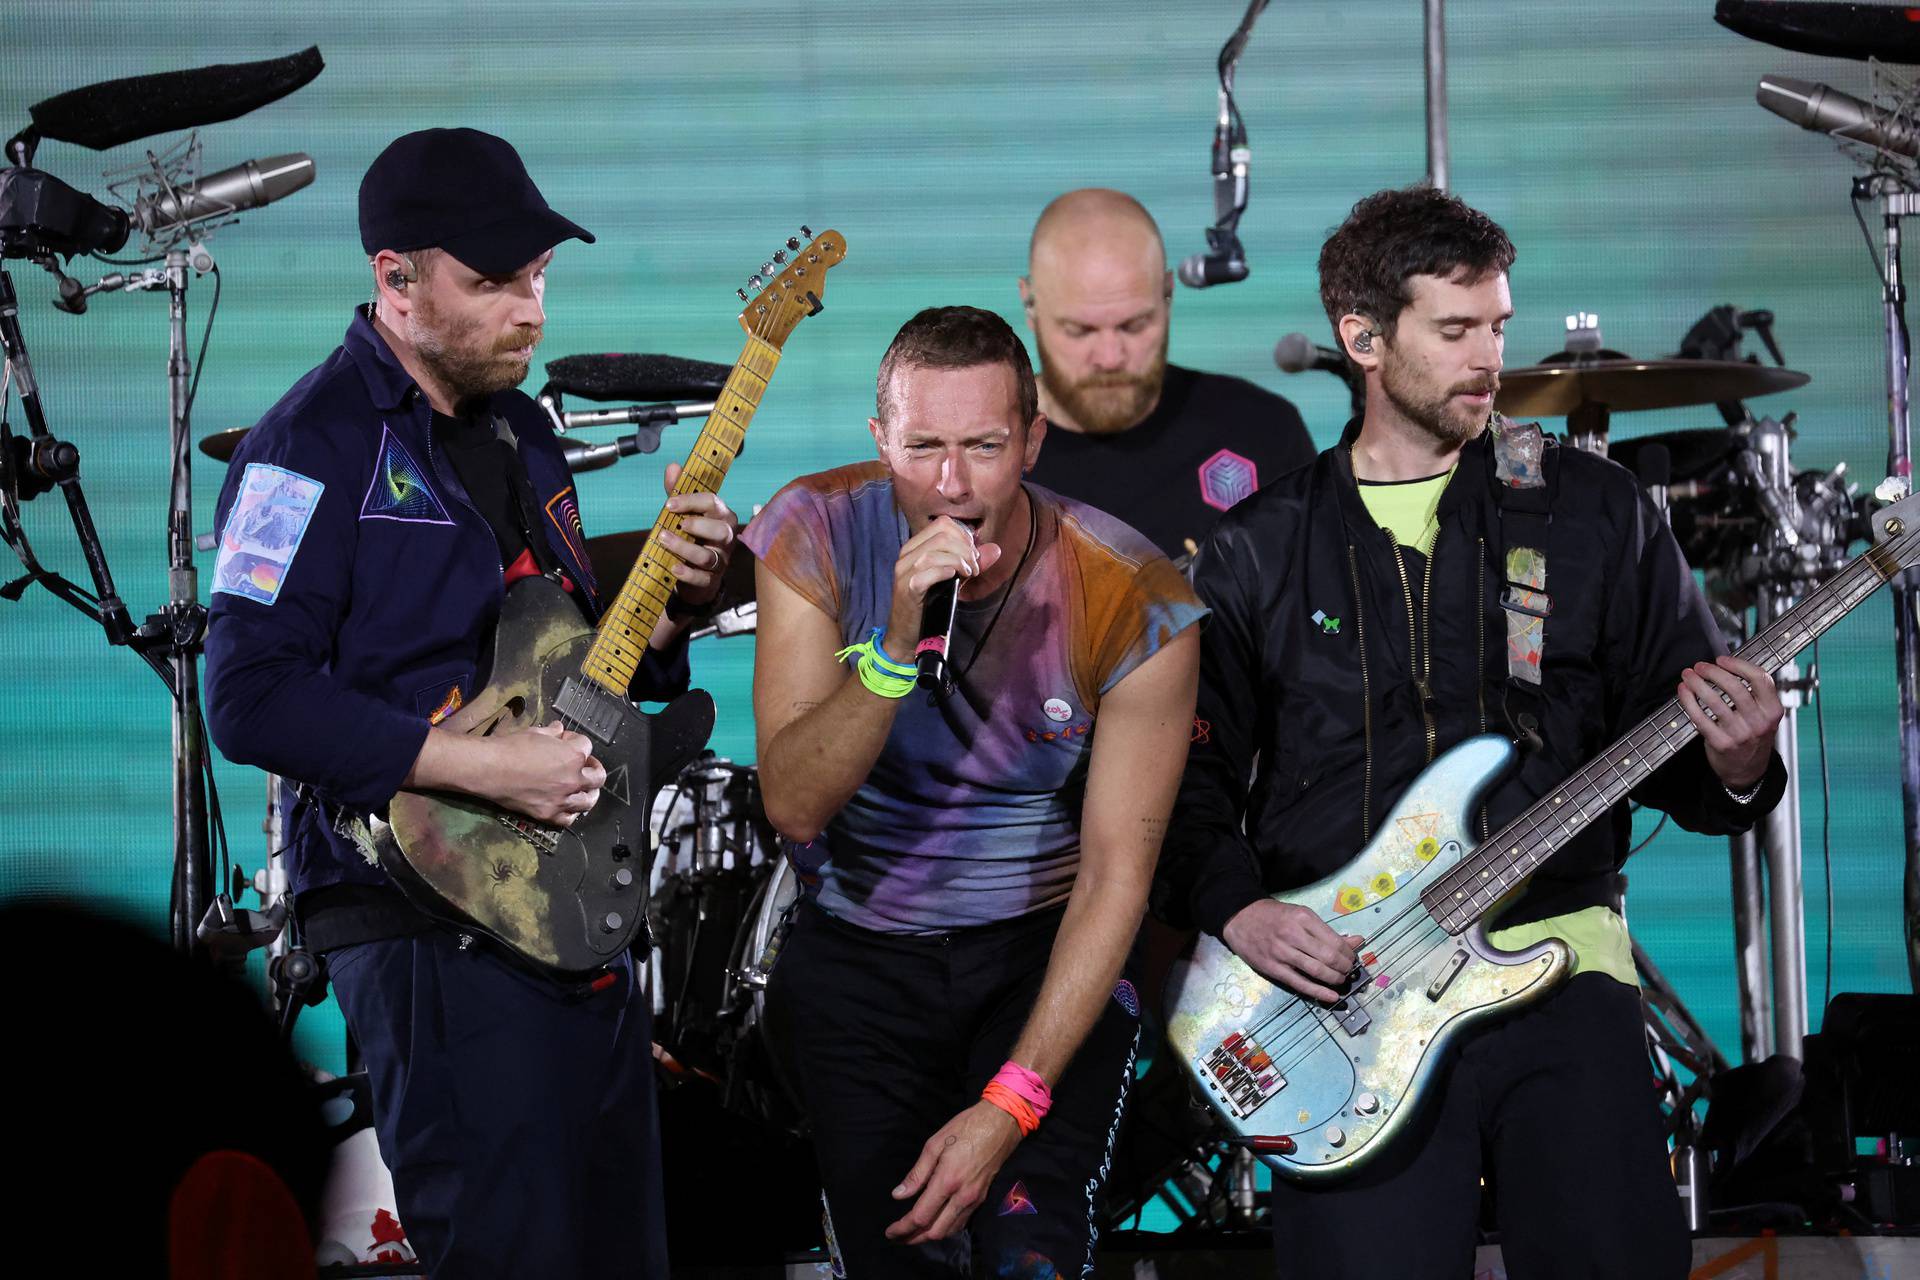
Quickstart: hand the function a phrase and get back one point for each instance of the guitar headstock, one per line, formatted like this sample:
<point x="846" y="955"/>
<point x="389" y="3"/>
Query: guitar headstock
<point x="793" y="295"/>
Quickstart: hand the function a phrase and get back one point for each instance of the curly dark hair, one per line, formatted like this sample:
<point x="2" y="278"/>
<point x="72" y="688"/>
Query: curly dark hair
<point x="1394" y="235"/>
<point x="957" y="338"/>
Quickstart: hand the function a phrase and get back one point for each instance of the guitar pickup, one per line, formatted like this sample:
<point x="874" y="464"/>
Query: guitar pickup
<point x="590" y="707"/>
<point x="1444" y="979"/>
<point x="1347" y="1010"/>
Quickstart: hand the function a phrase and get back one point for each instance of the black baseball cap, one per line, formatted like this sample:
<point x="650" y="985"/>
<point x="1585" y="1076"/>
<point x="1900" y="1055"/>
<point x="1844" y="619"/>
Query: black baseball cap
<point x="463" y="191"/>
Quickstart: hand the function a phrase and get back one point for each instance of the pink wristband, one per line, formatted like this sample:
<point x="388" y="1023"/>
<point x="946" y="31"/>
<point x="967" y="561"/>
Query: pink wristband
<point x="1027" y="1085"/>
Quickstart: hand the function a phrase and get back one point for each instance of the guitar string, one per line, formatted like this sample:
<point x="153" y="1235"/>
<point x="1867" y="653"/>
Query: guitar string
<point x="1394" y="943"/>
<point x="762" y="327"/>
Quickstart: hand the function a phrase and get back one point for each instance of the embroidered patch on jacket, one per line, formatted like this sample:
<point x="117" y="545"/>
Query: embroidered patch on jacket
<point x="1226" y="477"/>
<point x="263" y="531"/>
<point x="448" y="705"/>
<point x="1128" y="998"/>
<point x="564" y="510"/>
<point x="1017" y="1201"/>
<point x="399" y="489"/>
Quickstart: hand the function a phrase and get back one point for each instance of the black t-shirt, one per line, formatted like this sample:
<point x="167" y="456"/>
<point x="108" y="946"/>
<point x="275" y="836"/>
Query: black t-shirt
<point x="1210" y="442"/>
<point x="481" y="459"/>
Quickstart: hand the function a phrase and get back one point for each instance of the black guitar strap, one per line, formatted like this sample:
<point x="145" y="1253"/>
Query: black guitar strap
<point x="1524" y="491"/>
<point x="524" y="501"/>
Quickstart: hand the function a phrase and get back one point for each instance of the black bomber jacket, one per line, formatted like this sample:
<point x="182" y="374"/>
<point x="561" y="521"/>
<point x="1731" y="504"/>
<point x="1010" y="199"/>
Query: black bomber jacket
<point x="1336" y="665"/>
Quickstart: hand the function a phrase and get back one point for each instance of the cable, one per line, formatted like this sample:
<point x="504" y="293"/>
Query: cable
<point x="206" y="337"/>
<point x="1826" y="819"/>
<point x="1650" y="835"/>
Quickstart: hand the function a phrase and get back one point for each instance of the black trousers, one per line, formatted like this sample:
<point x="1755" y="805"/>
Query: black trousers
<point x="891" y="1037"/>
<point x="516" y="1115"/>
<point x="1556" y="1107"/>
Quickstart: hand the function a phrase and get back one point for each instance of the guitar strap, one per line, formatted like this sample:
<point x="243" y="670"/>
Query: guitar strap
<point x="524" y="501"/>
<point x="1524" y="494"/>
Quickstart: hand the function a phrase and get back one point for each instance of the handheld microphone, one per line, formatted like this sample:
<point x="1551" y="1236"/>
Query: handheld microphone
<point x="937" y="613"/>
<point x="1824" y="109"/>
<point x="1297" y="353"/>
<point x="244" y="186"/>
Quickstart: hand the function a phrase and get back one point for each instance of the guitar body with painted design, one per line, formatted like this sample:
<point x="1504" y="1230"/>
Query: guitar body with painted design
<point x="1318" y="1090"/>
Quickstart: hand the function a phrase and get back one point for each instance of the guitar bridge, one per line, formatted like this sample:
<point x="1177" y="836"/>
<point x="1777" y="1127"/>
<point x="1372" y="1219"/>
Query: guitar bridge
<point x="1242" y="1073"/>
<point x="544" y="838"/>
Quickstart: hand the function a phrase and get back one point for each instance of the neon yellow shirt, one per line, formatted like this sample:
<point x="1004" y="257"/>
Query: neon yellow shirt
<point x="1408" y="509"/>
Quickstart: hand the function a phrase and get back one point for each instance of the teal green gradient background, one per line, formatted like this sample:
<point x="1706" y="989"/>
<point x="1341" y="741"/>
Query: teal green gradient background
<point x="1619" y="144"/>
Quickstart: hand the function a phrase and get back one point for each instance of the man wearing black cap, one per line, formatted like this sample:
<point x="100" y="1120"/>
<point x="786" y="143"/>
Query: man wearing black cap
<point x="369" y="527"/>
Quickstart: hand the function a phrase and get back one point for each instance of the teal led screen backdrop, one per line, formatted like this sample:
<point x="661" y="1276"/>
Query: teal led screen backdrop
<point x="1619" y="144"/>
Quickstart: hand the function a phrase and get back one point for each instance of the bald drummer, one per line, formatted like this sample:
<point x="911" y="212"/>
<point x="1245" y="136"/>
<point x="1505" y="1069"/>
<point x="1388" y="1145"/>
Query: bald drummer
<point x="1164" y="448"/>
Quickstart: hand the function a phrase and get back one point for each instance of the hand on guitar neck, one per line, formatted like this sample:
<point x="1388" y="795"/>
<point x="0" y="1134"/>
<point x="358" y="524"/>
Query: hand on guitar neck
<point x="546" y="773"/>
<point x="1290" y="945"/>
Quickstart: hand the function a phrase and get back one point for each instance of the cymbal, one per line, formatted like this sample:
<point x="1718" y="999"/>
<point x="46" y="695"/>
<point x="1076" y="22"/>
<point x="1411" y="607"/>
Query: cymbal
<point x="1556" y="390"/>
<point x="220" y="445"/>
<point x="613" y="554"/>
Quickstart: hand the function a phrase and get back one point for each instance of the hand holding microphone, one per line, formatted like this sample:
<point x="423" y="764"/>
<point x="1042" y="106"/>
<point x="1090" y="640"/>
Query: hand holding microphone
<point x="926" y="579"/>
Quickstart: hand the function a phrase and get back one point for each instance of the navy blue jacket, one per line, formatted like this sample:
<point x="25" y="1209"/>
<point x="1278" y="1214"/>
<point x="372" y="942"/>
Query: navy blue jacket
<point x="357" y="590"/>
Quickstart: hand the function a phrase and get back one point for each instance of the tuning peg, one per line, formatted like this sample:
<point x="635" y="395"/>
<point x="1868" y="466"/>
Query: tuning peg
<point x="766" y="268"/>
<point x="793" y="242"/>
<point x="754" y="282"/>
<point x="806" y="231"/>
<point x="780" y="256"/>
<point x="742" y="293"/>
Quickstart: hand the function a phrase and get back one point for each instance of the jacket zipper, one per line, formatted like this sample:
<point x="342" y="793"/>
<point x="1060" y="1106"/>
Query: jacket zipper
<point x="1420" y="657"/>
<point x="1480" y="651"/>
<point x="1366" y="700"/>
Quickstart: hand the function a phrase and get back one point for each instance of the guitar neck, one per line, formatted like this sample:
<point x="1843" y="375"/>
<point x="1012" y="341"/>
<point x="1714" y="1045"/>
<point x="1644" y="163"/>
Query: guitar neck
<point x="1510" y="855"/>
<point x="621" y="638"/>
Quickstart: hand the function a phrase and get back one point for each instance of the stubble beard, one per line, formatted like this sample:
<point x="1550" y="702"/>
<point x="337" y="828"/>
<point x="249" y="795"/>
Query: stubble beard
<point x="450" y="351"/>
<point x="1449" y="424"/>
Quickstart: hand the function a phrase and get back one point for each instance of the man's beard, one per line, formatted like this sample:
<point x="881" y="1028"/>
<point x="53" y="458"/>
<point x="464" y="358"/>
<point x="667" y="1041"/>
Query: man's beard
<point x="1448" y="423"/>
<point x="1105" y="403"/>
<point x="466" y="373"/>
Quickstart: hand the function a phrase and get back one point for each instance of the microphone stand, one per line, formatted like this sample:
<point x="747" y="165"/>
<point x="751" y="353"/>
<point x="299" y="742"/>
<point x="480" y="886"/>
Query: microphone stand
<point x="1436" y="63"/>
<point x="1902" y="200"/>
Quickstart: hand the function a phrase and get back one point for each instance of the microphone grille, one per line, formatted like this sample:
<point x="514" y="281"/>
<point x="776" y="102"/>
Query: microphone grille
<point x="1294" y="353"/>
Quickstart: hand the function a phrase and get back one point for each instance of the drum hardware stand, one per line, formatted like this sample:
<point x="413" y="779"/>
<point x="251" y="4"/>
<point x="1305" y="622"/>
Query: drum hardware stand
<point x="1587" y="424"/>
<point x="1803" y="540"/>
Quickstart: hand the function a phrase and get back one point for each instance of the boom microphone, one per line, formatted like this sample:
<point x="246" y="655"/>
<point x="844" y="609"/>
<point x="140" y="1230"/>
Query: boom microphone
<point x="618" y="376"/>
<point x="244" y="186"/>
<point x="116" y="111"/>
<point x="1824" y="109"/>
<point x="1297" y="353"/>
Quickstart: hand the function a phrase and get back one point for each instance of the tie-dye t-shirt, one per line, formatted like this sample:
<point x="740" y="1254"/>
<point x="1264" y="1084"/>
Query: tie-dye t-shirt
<point x="972" y="813"/>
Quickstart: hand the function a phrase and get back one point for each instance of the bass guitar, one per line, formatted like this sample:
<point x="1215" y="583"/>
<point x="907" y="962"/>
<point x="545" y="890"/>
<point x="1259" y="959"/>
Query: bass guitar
<point x="1318" y="1090"/>
<point x="568" y="900"/>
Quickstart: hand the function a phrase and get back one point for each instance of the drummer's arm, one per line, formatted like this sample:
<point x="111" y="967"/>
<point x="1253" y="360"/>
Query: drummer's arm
<point x="819" y="728"/>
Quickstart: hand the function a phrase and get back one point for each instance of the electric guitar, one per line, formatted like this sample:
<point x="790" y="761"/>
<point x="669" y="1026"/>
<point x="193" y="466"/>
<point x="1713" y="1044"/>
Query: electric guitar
<point x="1318" y="1090"/>
<point x="568" y="900"/>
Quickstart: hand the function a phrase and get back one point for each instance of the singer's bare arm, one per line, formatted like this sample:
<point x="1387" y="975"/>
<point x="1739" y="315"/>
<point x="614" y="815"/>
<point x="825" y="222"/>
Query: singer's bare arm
<point x="1139" y="751"/>
<point x="819" y="728"/>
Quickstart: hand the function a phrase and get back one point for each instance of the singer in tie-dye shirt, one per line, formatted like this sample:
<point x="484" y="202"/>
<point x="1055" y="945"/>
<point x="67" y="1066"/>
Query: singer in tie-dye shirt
<point x="983" y="857"/>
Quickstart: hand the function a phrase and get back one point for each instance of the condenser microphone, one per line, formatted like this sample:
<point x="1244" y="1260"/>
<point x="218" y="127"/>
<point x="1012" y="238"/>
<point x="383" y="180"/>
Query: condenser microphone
<point x="244" y="186"/>
<point x="1297" y="353"/>
<point x="1824" y="109"/>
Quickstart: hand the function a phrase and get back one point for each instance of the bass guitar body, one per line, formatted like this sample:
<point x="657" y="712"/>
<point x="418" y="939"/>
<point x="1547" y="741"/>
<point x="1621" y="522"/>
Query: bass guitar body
<point x="566" y="901"/>
<point x="1318" y="1090"/>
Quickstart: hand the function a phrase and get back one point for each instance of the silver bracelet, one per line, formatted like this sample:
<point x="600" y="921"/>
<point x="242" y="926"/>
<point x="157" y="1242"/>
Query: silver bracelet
<point x="1746" y="797"/>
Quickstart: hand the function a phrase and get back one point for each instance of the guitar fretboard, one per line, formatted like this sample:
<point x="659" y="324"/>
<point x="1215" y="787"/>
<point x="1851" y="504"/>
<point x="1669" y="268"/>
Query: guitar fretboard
<point x="621" y="639"/>
<point x="1510" y="855"/>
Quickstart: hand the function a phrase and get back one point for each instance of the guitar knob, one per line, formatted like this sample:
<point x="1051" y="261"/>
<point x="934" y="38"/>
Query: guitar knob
<point x="1366" y="1104"/>
<point x="612" y="923"/>
<point x="623" y="879"/>
<point x="1335" y="1136"/>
